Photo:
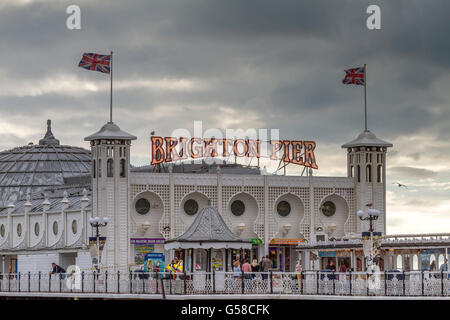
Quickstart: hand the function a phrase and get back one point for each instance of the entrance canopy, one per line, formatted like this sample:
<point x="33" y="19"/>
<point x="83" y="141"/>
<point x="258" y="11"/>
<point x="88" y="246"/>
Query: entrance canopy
<point x="208" y="231"/>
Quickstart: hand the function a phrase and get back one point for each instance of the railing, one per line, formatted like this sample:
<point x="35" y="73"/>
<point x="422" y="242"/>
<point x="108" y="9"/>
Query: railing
<point x="395" y="239"/>
<point x="412" y="283"/>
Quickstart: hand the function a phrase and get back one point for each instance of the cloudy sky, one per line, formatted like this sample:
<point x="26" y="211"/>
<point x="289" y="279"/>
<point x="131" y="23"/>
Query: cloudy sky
<point x="243" y="64"/>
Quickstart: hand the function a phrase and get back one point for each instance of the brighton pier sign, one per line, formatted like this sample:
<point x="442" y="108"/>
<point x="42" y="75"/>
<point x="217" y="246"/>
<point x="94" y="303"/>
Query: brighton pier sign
<point x="168" y="149"/>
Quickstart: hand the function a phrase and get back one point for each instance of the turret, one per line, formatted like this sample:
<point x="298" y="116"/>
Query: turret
<point x="366" y="164"/>
<point x="110" y="149"/>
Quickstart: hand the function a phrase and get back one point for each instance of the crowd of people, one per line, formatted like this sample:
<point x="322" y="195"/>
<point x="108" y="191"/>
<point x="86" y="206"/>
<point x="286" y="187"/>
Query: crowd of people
<point x="242" y="267"/>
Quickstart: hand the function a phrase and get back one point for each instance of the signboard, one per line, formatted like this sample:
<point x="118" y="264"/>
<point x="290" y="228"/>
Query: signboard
<point x="256" y="241"/>
<point x="287" y="241"/>
<point x="345" y="253"/>
<point x="217" y="260"/>
<point x="141" y="250"/>
<point x="170" y="149"/>
<point x="406" y="251"/>
<point x="433" y="251"/>
<point x="328" y="254"/>
<point x="147" y="240"/>
<point x="154" y="262"/>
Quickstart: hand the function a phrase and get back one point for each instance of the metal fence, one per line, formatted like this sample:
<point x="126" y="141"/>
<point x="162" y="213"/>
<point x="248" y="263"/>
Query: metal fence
<point x="412" y="283"/>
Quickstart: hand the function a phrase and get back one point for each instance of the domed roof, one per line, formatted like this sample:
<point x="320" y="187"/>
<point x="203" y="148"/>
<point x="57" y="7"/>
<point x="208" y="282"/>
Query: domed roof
<point x="110" y="131"/>
<point x="33" y="168"/>
<point x="367" y="139"/>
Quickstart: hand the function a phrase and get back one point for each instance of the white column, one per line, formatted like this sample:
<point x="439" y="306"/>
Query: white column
<point x="266" y="215"/>
<point x="172" y="208"/>
<point x="172" y="203"/>
<point x="383" y="167"/>
<point x="312" y="230"/>
<point x="219" y="191"/>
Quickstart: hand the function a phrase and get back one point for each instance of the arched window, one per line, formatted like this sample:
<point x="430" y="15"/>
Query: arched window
<point x="379" y="177"/>
<point x="440" y="261"/>
<point x="123" y="168"/>
<point x="352" y="171"/>
<point x="110" y="168"/>
<point x="433" y="266"/>
<point x="93" y="169"/>
<point x="358" y="172"/>
<point x="368" y="173"/>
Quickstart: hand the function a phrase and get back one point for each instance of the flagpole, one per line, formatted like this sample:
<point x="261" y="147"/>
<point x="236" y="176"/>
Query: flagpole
<point x="365" y="98"/>
<point x="110" y="100"/>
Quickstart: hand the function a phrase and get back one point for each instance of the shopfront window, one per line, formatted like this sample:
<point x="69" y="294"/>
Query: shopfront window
<point x="242" y="254"/>
<point x="200" y="260"/>
<point x="273" y="255"/>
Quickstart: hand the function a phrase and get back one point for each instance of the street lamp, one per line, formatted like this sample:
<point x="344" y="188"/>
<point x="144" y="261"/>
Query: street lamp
<point x="97" y="223"/>
<point x="372" y="215"/>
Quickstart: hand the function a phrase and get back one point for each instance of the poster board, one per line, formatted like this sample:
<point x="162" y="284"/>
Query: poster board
<point x="140" y="251"/>
<point x="95" y="251"/>
<point x="154" y="262"/>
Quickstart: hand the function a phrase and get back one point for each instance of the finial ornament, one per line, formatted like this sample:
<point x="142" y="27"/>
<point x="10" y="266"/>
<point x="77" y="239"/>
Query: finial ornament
<point x="11" y="205"/>
<point x="84" y="199"/>
<point x="28" y="204"/>
<point x="46" y="203"/>
<point x="49" y="138"/>
<point x="65" y="202"/>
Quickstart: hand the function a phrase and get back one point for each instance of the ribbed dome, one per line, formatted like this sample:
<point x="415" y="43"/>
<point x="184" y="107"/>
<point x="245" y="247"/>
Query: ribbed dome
<point x="34" y="168"/>
<point x="367" y="139"/>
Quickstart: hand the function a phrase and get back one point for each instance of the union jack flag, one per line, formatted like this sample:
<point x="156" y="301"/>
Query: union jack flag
<point x="96" y="62"/>
<point x="355" y="76"/>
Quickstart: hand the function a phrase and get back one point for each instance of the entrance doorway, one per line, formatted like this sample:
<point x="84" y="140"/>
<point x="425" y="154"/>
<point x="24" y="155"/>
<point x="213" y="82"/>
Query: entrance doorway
<point x="67" y="259"/>
<point x="12" y="264"/>
<point x="281" y="257"/>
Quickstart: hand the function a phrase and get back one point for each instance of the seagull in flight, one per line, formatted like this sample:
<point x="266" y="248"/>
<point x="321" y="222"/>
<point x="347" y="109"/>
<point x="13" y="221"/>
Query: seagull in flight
<point x="400" y="185"/>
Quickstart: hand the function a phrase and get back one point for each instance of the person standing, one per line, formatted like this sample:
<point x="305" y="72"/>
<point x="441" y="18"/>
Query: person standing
<point x="342" y="270"/>
<point x="237" y="272"/>
<point x="247" y="269"/>
<point x="444" y="268"/>
<point x="332" y="266"/>
<point x="265" y="266"/>
<point x="57" y="269"/>
<point x="255" y="267"/>
<point x="237" y="269"/>
<point x="299" y="270"/>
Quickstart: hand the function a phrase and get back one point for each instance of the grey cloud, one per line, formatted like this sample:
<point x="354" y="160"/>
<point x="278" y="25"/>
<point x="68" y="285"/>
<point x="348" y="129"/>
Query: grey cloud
<point x="279" y="63"/>
<point x="411" y="172"/>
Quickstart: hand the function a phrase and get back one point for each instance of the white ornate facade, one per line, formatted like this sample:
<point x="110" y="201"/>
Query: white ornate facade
<point x="53" y="223"/>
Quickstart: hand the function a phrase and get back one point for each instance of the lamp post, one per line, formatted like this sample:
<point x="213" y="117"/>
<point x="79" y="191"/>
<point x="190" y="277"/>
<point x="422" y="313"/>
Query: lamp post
<point x="97" y="223"/>
<point x="371" y="216"/>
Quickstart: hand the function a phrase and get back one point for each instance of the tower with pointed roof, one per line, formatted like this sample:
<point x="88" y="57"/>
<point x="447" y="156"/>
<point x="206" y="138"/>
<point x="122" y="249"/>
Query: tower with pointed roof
<point x="110" y="149"/>
<point x="366" y="164"/>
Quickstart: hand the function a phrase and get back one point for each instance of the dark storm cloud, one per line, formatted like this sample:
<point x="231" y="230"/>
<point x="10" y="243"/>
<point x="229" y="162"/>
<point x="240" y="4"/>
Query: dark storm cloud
<point x="284" y="60"/>
<point x="252" y="63"/>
